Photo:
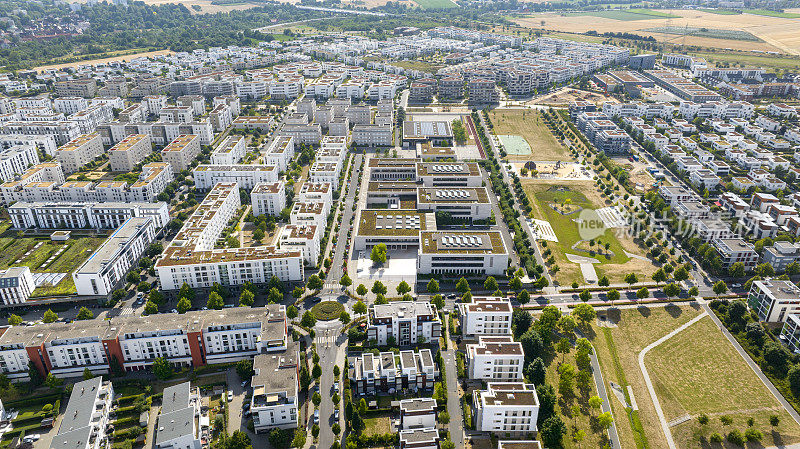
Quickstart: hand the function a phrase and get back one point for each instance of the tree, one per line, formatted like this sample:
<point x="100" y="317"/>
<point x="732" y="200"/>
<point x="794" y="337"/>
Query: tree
<point x="585" y="295"/>
<point x="336" y="428"/>
<point x="490" y="284"/>
<point x="515" y="284"/>
<point x="403" y="288"/>
<point x="595" y="402"/>
<point x="291" y="312"/>
<point x="359" y="308"/>
<point x="336" y="371"/>
<point x="680" y="274"/>
<point x="379" y="288"/>
<point x="344" y="317"/>
<point x="613" y="295"/>
<point x="693" y="291"/>
<point x="585" y="313"/>
<point x="438" y="301"/>
<point x="247" y="298"/>
<point x="642" y="293"/>
<point x="275" y="296"/>
<point x="279" y="438"/>
<point x="244" y="368"/>
<point x="532" y="344"/>
<point x="631" y="279"/>
<point x="52" y="381"/>
<point x="240" y="440"/>
<point x="524" y="297"/>
<point x="720" y="287"/>
<point x="215" y="301"/>
<point x="521" y="321"/>
<point x="444" y="417"/>
<point x="316" y="371"/>
<point x="151" y="308"/>
<point x="50" y="316"/>
<point x="298" y="291"/>
<point x="157" y="297"/>
<point x="378" y="254"/>
<point x="162" y="368"/>
<point x="315" y="431"/>
<point x="567" y="324"/>
<point x="380" y="299"/>
<point x="603" y="282"/>
<point x="462" y="286"/>
<point x="774" y="420"/>
<point x="84" y="314"/>
<point x="535" y="371"/>
<point x="314" y="283"/>
<point x="336" y="399"/>
<point x="361" y="290"/>
<point x="309" y="320"/>
<point x="316" y="399"/>
<point x="552" y="431"/>
<point x="794" y="379"/>
<point x="133" y="277"/>
<point x="345" y="281"/>
<point x="604" y="420"/>
<point x="563" y="347"/>
<point x="186" y="292"/>
<point x="433" y="286"/>
<point x="659" y="276"/>
<point x="14" y="320"/>
<point x="672" y="290"/>
<point x="184" y="305"/>
<point x="87" y="374"/>
<point x="362" y="406"/>
<point x="447" y="444"/>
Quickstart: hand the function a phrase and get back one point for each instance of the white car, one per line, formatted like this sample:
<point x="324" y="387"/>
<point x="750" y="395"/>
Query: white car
<point x="230" y="396"/>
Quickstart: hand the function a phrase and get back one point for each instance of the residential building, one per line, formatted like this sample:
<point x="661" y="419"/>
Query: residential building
<point x="84" y="215"/>
<point x="129" y="151"/>
<point x="280" y="152"/>
<point x="229" y="152"/>
<point x="181" y="152"/>
<point x="485" y="316"/>
<point x="496" y="359"/>
<point x="79" y="151"/>
<point x="305" y="238"/>
<point x="15" y="160"/>
<point x="247" y="176"/>
<point x="372" y="135"/>
<point x="781" y="254"/>
<point x="268" y="198"/>
<point x="85" y="421"/>
<point x="275" y="400"/>
<point x="506" y="408"/>
<point x="403" y="323"/>
<point x="736" y="250"/>
<point x="16" y="285"/>
<point x="178" y="425"/>
<point x="390" y="373"/>
<point x="418" y="413"/>
<point x="773" y="300"/>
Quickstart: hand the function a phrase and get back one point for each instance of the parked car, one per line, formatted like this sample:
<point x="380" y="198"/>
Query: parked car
<point x="316" y="417"/>
<point x="230" y="396"/>
<point x="336" y="414"/>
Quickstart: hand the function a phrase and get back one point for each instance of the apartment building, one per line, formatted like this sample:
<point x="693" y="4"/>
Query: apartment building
<point x="260" y="123"/>
<point x="736" y="250"/>
<point x="418" y="413"/>
<point x="403" y="323"/>
<point x="309" y="213"/>
<point x="247" y="176"/>
<point x="45" y="144"/>
<point x="86" y="88"/>
<point x="482" y="91"/>
<point x="451" y="87"/>
<point x="372" y="135"/>
<point x="15" y="160"/>
<point x="268" y="198"/>
<point x="46" y="172"/>
<point x="310" y="134"/>
<point x="178" y="424"/>
<point x="129" y="151"/>
<point x="506" y="408"/>
<point x="462" y="252"/>
<point x="774" y="300"/>
<point x="181" y="152"/>
<point x="280" y="152"/>
<point x="85" y="421"/>
<point x="325" y="172"/>
<point x="176" y="114"/>
<point x="107" y="267"/>
<point x="221" y="117"/>
<point x="79" y="151"/>
<point x="230" y="151"/>
<point x="191" y="258"/>
<point x="274" y="404"/>
<point x="62" y="131"/>
<point x="781" y="254"/>
<point x="321" y="192"/>
<point x="466" y="203"/>
<point x="495" y="358"/>
<point x="155" y="177"/>
<point x="196" y="102"/>
<point x="485" y="316"/>
<point x="305" y="238"/>
<point x="16" y="285"/>
<point x="84" y="215"/>
<point x="390" y="373"/>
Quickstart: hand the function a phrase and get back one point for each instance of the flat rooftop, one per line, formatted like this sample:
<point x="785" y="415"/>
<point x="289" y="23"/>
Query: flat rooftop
<point x="391" y="222"/>
<point x="462" y="242"/>
<point x="470" y="195"/>
<point x="448" y="169"/>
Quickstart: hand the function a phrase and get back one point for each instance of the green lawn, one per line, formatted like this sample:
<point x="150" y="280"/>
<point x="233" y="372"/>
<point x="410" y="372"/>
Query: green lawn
<point x="531" y="126"/>
<point x="627" y="15"/>
<point x="773" y="61"/>
<point x="767" y="12"/>
<point x="418" y="65"/>
<point x="435" y="4"/>
<point x="378" y="425"/>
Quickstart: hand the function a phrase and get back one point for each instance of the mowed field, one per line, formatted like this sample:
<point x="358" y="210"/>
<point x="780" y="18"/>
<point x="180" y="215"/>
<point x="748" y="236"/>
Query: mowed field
<point x="123" y="57"/>
<point x="529" y="124"/>
<point x="778" y="33"/>
<point x="687" y="378"/>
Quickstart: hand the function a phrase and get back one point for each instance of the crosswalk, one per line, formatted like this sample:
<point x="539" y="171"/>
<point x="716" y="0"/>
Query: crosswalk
<point x="127" y="311"/>
<point x="332" y="286"/>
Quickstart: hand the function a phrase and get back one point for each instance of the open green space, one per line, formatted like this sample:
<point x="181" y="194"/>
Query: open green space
<point x="515" y="145"/>
<point x="771" y="61"/>
<point x="529" y="125"/>
<point x="689" y="378"/>
<point x="376" y="425"/>
<point x="327" y="310"/>
<point x="770" y="13"/>
<point x="712" y="33"/>
<point x="14" y="248"/>
<point x="722" y="12"/>
<point x="435" y="4"/>
<point x="627" y="14"/>
<point x="422" y="66"/>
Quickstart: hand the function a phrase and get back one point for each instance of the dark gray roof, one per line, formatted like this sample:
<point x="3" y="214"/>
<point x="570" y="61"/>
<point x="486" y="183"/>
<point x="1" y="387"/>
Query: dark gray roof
<point x="174" y="425"/>
<point x="81" y="405"/>
<point x="175" y="398"/>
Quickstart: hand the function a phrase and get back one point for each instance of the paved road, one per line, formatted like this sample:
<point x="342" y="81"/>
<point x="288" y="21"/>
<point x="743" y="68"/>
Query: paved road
<point x="599" y="382"/>
<point x="235" y="421"/>
<point x="340" y="249"/>
<point x="331" y="349"/>
<point x="453" y="399"/>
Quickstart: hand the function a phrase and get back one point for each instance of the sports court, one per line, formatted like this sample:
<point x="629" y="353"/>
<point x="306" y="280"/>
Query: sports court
<point x="514" y="144"/>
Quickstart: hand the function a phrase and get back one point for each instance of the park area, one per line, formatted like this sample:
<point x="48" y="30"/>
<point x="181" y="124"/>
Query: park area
<point x="43" y="255"/>
<point x="531" y="127"/>
<point x="561" y="206"/>
<point x="686" y="376"/>
<point x="327" y="310"/>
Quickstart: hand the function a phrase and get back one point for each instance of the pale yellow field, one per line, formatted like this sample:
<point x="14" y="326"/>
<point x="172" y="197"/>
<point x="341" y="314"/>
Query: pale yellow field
<point x="205" y="5"/>
<point x="104" y="60"/>
<point x="779" y="34"/>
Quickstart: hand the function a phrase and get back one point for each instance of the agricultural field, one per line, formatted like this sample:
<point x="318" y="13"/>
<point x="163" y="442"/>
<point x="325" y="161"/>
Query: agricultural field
<point x="736" y="35"/>
<point x="687" y="379"/>
<point x="769" y="13"/>
<point x="569" y="200"/>
<point x="531" y="126"/>
<point x="627" y="14"/>
<point x="771" y="61"/>
<point x="435" y="4"/>
<point x="123" y="56"/>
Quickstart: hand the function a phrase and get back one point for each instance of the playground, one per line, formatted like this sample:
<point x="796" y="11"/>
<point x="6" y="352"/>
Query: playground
<point x="551" y="170"/>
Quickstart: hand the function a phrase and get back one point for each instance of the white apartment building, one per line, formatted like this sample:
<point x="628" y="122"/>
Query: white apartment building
<point x="372" y="135"/>
<point x="191" y="258"/>
<point x="154" y="103"/>
<point x="305" y="238"/>
<point x="176" y="114"/>
<point x="84" y="215"/>
<point x="246" y="175"/>
<point x="325" y="172"/>
<point x="774" y="300"/>
<point x="62" y="131"/>
<point x="403" y="322"/>
<point x="79" y="151"/>
<point x="268" y="198"/>
<point x="14" y="161"/>
<point x="280" y="152"/>
<point x="229" y="152"/>
<point x="129" y="151"/>
<point x="16" y="285"/>
<point x="70" y="105"/>
<point x="485" y="316"/>
<point x="382" y="374"/>
<point x="321" y="192"/>
<point x="418" y="413"/>
<point x="45" y="144"/>
<point x="221" y="117"/>
<point x="275" y="386"/>
<point x="181" y="152"/>
<point x="736" y="250"/>
<point x="462" y="252"/>
<point x="507" y="408"/>
<point x="107" y="267"/>
<point x="309" y="213"/>
<point x="84" y="422"/>
<point x="310" y="134"/>
<point x="496" y="359"/>
<point x="178" y="424"/>
<point x="69" y="353"/>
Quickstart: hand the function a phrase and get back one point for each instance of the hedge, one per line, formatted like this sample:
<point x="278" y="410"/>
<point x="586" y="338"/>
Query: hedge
<point x="126" y="420"/>
<point x="17" y="430"/>
<point x="130" y="398"/>
<point x="33" y="400"/>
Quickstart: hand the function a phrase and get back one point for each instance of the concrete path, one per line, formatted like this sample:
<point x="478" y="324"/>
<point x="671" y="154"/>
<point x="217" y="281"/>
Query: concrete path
<point x="789" y="409"/>
<point x="649" y="383"/>
<point x="597" y="373"/>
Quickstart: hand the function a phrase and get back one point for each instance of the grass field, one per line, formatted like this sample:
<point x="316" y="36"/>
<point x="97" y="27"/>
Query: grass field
<point x="435" y="4"/>
<point x="711" y="33"/>
<point x="768" y="13"/>
<point x="617" y="350"/>
<point x="530" y="125"/>
<point x="774" y="61"/>
<point x="722" y="12"/>
<point x="613" y="262"/>
<point x="627" y="14"/>
<point x="377" y="425"/>
<point x="418" y="65"/>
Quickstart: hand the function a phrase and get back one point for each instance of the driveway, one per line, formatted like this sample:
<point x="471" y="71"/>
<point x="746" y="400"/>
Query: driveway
<point x="235" y="418"/>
